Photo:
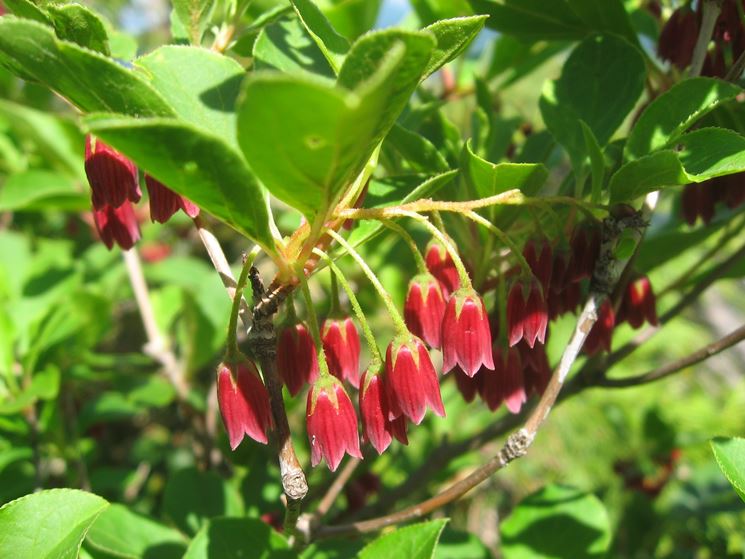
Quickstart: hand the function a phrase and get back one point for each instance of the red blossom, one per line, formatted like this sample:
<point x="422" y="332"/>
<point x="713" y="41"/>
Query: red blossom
<point x="441" y="265"/>
<point x="505" y="383"/>
<point x="424" y="309"/>
<point x="117" y="225"/>
<point x="466" y="335"/>
<point x="527" y="313"/>
<point x="164" y="202"/>
<point x="297" y="362"/>
<point x="341" y="344"/>
<point x="377" y="426"/>
<point x="113" y="177"/>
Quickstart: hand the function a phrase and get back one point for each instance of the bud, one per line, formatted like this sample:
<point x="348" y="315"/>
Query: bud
<point x="332" y="423"/>
<point x="527" y="313"/>
<point x="678" y="37"/>
<point x="638" y="303"/>
<point x="602" y="331"/>
<point x="466" y="336"/>
<point x="424" y="309"/>
<point x="341" y="344"/>
<point x="297" y="362"/>
<point x="113" y="177"/>
<point x="539" y="255"/>
<point x="441" y="265"/>
<point x="117" y="225"/>
<point x="164" y="202"/>
<point x="411" y="380"/>
<point x="505" y="383"/>
<point x="377" y="426"/>
<point x="734" y="190"/>
<point x="244" y="402"/>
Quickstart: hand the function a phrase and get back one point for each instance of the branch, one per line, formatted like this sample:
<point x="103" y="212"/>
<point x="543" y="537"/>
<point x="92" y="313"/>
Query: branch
<point x="679" y="364"/>
<point x="220" y="263"/>
<point x="263" y="340"/>
<point x="711" y="10"/>
<point x="156" y="347"/>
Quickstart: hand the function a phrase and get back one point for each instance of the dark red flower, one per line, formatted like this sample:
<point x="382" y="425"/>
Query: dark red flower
<point x="244" y="402"/>
<point x="585" y="247"/>
<point x="678" y="37"/>
<point x="536" y="369"/>
<point x="734" y="190"/>
<point x="341" y="344"/>
<point x="113" y="177"/>
<point x="332" y="423"/>
<point x="601" y="333"/>
<point x="539" y="256"/>
<point x="505" y="383"/>
<point x="424" y="309"/>
<point x="466" y="336"/>
<point x="297" y="362"/>
<point x="527" y="313"/>
<point x="117" y="225"/>
<point x="698" y="200"/>
<point x="377" y="426"/>
<point x="638" y="303"/>
<point x="164" y="202"/>
<point x="411" y="380"/>
<point x="468" y="386"/>
<point x="441" y="265"/>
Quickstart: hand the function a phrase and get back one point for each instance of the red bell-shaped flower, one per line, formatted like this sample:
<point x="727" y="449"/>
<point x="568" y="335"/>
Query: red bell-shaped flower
<point x="332" y="423"/>
<point x="602" y="331"/>
<point x="164" y="202"/>
<point x="585" y="248"/>
<point x="536" y="369"/>
<point x="468" y="386"/>
<point x="678" y="37"/>
<point x="117" y="225"/>
<point x="113" y="177"/>
<point x="505" y="383"/>
<point x="441" y="265"/>
<point x="539" y="256"/>
<point x="377" y="426"/>
<point x="244" y="402"/>
<point x="527" y="313"/>
<point x="424" y="309"/>
<point x="466" y="336"/>
<point x="341" y="344"/>
<point x="297" y="362"/>
<point x="411" y="380"/>
<point x="638" y="304"/>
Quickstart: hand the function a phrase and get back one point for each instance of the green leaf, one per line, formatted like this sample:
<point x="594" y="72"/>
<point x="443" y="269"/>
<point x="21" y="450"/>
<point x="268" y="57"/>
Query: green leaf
<point x="351" y="18"/>
<point x="599" y="84"/>
<point x="417" y="541"/>
<point x="417" y="150"/>
<point x="670" y="114"/>
<point x="38" y="190"/>
<point x="192" y="497"/>
<point x="532" y="19"/>
<point x="557" y="521"/>
<point x="87" y="79"/>
<point x="514" y="59"/>
<point x="730" y="455"/>
<point x="285" y="45"/>
<point x="455" y="544"/>
<point x="28" y="10"/>
<point x="126" y="534"/>
<point x="77" y="24"/>
<point x="307" y="158"/>
<point x="57" y="140"/>
<point x="488" y="179"/>
<point x="194" y="163"/>
<point x="48" y="525"/>
<point x="333" y="46"/>
<point x="698" y="156"/>
<point x="202" y="86"/>
<point x="608" y="16"/>
<point x="194" y="15"/>
<point x="453" y="36"/>
<point x="597" y="162"/>
<point x="238" y="538"/>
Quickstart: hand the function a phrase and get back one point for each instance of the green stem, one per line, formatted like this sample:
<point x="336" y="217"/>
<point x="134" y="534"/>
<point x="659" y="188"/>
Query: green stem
<point x="232" y="351"/>
<point x="438" y="221"/>
<point x="465" y="280"/>
<point x="398" y="321"/>
<point x="335" y="309"/>
<point x="362" y="319"/>
<point x="409" y="240"/>
<point x="315" y="331"/>
<point x="517" y="253"/>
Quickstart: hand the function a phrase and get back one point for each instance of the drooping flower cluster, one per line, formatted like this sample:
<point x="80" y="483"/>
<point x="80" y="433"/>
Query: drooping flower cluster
<point x="115" y="188"/>
<point x="699" y="200"/>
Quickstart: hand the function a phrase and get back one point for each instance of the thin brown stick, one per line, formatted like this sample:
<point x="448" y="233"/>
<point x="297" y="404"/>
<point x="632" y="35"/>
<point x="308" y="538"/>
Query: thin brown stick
<point x="220" y="263"/>
<point x="673" y="367"/>
<point x="336" y="488"/>
<point x="711" y="10"/>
